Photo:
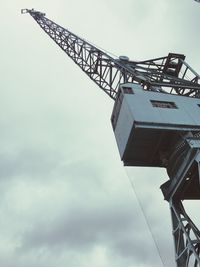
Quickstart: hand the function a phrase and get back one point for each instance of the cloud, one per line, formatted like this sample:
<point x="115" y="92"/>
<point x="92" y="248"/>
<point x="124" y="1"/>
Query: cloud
<point x="65" y="200"/>
<point x="83" y="228"/>
<point x="27" y="163"/>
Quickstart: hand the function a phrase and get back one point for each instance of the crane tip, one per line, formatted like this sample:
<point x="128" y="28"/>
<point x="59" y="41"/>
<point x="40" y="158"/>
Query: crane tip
<point x="32" y="11"/>
<point x="24" y="10"/>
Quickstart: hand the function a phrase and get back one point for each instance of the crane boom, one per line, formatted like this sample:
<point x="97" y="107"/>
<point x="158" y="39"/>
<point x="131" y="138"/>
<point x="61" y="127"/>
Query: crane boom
<point x="169" y="74"/>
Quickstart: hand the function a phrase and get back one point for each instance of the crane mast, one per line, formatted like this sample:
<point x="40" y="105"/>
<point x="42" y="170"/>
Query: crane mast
<point x="156" y="121"/>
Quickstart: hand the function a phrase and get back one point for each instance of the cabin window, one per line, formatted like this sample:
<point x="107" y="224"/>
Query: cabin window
<point x="163" y="104"/>
<point x="127" y="90"/>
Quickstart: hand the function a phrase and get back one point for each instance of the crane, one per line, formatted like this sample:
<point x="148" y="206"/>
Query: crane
<point x="155" y="119"/>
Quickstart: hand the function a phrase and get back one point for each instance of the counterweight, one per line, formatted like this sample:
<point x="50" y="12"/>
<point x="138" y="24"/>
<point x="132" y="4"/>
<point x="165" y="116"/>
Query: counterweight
<point x="156" y="121"/>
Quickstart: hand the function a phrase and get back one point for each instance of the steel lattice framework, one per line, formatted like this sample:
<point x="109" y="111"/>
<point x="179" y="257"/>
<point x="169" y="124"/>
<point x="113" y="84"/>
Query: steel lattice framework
<point x="184" y="172"/>
<point x="170" y="74"/>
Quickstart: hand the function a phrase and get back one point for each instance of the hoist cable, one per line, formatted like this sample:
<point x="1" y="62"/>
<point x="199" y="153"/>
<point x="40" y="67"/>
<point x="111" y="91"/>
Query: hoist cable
<point x="145" y="217"/>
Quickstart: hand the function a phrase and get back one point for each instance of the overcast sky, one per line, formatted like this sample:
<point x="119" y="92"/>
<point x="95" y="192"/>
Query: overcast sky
<point x="66" y="199"/>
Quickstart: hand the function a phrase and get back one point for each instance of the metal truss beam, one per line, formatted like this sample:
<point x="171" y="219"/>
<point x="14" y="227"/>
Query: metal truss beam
<point x="166" y="74"/>
<point x="186" y="236"/>
<point x="184" y="183"/>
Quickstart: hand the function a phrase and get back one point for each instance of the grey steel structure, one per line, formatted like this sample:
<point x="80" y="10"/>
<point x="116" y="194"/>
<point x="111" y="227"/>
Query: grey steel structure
<point x="156" y="121"/>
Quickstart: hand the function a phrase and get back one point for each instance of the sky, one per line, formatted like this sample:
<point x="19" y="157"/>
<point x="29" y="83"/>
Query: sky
<point x="66" y="198"/>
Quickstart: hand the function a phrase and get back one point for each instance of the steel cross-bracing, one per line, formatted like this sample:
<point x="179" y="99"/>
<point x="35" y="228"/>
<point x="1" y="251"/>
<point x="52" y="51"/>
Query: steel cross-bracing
<point x="184" y="172"/>
<point x="186" y="236"/>
<point x="169" y="74"/>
